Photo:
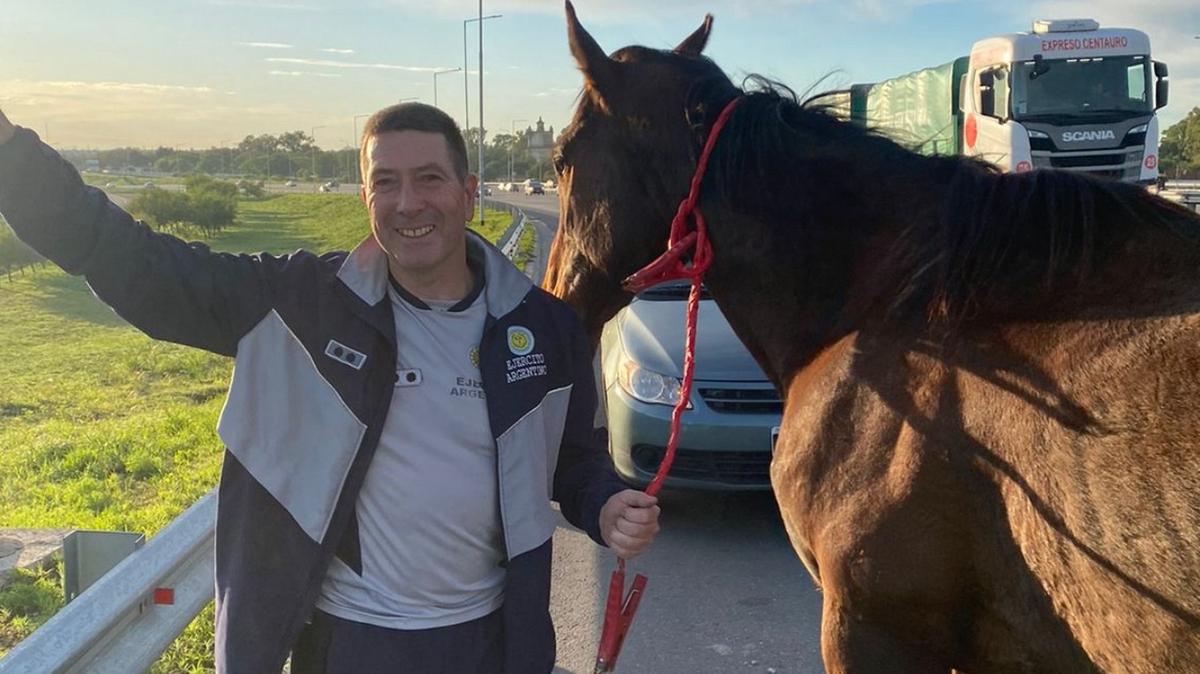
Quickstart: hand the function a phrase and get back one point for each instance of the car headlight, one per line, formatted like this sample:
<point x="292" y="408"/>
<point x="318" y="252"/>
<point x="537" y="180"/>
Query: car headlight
<point x="649" y="387"/>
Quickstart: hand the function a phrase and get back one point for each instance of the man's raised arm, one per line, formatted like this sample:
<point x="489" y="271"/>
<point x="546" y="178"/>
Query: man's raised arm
<point x="170" y="289"/>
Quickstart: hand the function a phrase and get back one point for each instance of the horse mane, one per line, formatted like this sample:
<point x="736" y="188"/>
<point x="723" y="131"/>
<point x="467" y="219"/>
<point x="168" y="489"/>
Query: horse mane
<point x="965" y="238"/>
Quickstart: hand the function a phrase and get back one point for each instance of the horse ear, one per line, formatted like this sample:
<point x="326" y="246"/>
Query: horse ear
<point x="694" y="43"/>
<point x="596" y="66"/>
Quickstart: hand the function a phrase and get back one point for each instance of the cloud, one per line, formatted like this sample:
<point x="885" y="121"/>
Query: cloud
<point x="300" y="73"/>
<point x="17" y="87"/>
<point x="558" y="91"/>
<point x="285" y="5"/>
<point x="348" y="64"/>
<point x="266" y="45"/>
<point x="625" y="11"/>
<point x="115" y="114"/>
<point x="334" y="50"/>
<point x="882" y="10"/>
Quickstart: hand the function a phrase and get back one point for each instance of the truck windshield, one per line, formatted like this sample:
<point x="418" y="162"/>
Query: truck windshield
<point x="1112" y="84"/>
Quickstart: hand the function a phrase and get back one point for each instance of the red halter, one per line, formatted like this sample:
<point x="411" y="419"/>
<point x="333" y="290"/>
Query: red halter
<point x="670" y="266"/>
<point x="618" y="615"/>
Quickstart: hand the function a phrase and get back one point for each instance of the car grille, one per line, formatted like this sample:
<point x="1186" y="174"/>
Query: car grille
<point x="727" y="467"/>
<point x="742" y="400"/>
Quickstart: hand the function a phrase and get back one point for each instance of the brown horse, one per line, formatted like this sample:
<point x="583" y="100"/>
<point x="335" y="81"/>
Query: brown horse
<point x="990" y="459"/>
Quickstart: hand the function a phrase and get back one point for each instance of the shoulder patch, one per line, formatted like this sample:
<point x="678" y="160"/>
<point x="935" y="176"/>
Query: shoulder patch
<point x="345" y="355"/>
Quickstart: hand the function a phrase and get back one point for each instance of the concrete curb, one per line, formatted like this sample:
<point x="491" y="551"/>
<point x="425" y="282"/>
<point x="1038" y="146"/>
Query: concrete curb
<point x="28" y="549"/>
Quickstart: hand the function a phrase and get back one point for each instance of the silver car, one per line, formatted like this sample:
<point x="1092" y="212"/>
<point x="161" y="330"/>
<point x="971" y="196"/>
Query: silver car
<point x="733" y="416"/>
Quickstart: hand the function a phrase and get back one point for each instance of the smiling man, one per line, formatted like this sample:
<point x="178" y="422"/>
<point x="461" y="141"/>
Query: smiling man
<point x="400" y="418"/>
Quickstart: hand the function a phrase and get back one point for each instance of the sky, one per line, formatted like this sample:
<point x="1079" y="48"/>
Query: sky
<point x="206" y="73"/>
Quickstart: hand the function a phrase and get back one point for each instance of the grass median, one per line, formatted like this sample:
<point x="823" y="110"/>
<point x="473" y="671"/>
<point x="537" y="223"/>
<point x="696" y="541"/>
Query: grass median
<point x="103" y="428"/>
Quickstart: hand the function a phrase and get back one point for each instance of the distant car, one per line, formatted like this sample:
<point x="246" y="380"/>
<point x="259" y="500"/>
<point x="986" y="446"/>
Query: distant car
<point x="149" y="184"/>
<point x="326" y="188"/>
<point x="332" y="184"/>
<point x="729" y="430"/>
<point x="534" y="187"/>
<point x="487" y="192"/>
<point x="109" y="185"/>
<point x="290" y="183"/>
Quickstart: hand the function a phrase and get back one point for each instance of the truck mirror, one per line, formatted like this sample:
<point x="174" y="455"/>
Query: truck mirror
<point x="987" y="93"/>
<point x="1160" y="86"/>
<point x="1000" y="94"/>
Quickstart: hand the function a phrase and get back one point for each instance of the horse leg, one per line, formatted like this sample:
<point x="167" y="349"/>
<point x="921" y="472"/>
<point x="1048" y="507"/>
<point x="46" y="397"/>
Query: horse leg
<point x="852" y="645"/>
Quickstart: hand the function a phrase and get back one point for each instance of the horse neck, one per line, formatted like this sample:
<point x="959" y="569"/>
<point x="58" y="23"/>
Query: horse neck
<point x="790" y="287"/>
<point x="791" y="284"/>
<point x="766" y="294"/>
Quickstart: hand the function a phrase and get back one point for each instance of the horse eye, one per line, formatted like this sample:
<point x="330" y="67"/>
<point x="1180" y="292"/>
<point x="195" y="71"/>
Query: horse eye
<point x="559" y="163"/>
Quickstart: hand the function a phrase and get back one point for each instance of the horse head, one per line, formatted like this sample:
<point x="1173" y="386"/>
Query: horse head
<point x="623" y="165"/>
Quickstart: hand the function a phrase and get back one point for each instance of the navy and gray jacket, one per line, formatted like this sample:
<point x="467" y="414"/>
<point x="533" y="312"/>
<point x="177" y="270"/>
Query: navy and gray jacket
<point x="315" y="348"/>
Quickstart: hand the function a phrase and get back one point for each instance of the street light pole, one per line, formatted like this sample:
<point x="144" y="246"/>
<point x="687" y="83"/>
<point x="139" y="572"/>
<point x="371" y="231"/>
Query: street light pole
<point x="513" y="132"/>
<point x="480" y="114"/>
<point x="466" y="72"/>
<point x="435" y="76"/>
<point x="313" y="134"/>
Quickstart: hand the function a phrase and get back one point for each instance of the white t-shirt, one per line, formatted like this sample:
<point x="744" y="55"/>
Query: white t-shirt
<point x="428" y="513"/>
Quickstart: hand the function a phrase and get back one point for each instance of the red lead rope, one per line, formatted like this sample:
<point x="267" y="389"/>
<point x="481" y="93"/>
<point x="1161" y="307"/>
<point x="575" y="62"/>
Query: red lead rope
<point x="670" y="266"/>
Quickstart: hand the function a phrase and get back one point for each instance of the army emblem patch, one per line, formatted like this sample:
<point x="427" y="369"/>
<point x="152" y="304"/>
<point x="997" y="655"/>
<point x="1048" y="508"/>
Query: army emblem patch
<point x="520" y="340"/>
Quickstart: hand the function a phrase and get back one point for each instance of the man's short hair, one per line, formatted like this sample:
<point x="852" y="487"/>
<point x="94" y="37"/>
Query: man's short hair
<point x="416" y="117"/>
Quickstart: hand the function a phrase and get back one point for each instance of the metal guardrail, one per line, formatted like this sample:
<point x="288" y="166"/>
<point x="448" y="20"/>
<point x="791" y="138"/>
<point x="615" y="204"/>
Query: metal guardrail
<point x="124" y="622"/>
<point x="512" y="236"/>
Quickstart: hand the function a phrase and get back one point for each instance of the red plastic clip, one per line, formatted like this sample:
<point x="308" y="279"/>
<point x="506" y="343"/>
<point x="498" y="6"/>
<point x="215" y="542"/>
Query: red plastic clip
<point x="618" y="616"/>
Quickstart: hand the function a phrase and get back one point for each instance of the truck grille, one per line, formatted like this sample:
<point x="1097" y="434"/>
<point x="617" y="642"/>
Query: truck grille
<point x="742" y="400"/>
<point x="725" y="467"/>
<point x="1121" y="164"/>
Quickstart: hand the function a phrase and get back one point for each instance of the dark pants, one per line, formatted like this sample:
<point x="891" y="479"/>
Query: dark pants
<point x="332" y="645"/>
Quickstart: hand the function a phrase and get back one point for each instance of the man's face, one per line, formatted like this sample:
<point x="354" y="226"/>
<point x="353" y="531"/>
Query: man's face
<point x="418" y="207"/>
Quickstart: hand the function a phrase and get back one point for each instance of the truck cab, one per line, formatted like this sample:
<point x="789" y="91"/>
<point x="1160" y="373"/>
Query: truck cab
<point x="1067" y="95"/>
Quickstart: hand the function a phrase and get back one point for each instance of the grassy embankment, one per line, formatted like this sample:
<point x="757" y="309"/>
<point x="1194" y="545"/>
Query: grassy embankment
<point x="104" y="428"/>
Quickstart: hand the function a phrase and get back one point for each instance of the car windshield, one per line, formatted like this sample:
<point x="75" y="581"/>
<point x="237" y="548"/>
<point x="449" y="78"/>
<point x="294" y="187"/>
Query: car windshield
<point x="671" y="290"/>
<point x="1114" y="84"/>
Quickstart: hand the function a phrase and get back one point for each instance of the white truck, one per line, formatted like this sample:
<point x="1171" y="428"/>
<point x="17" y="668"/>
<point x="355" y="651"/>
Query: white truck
<point x="1068" y="94"/>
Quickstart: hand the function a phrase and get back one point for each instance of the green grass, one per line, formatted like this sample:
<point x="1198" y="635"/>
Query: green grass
<point x="30" y="599"/>
<point x="104" y="428"/>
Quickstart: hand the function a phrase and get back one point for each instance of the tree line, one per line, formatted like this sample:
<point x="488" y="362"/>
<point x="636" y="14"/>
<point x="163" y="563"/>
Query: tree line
<point x="294" y="154"/>
<point x="1179" y="149"/>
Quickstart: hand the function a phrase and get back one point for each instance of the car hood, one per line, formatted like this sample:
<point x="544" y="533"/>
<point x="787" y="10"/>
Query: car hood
<point x="652" y="335"/>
